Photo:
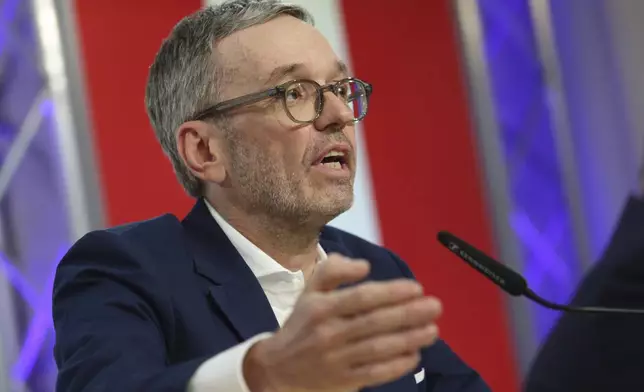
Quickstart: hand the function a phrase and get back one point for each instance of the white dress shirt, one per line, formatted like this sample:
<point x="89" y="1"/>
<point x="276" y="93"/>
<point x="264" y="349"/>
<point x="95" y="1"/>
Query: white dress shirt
<point x="282" y="287"/>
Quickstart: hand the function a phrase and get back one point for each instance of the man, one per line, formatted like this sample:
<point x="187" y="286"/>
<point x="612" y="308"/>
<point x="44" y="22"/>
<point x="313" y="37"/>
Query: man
<point x="250" y="292"/>
<point x="601" y="352"/>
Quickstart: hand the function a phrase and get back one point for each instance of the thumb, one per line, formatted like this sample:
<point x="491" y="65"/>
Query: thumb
<point x="337" y="270"/>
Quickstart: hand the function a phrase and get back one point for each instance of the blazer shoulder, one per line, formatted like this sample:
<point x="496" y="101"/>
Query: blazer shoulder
<point x="127" y="246"/>
<point x="159" y="232"/>
<point x="163" y="225"/>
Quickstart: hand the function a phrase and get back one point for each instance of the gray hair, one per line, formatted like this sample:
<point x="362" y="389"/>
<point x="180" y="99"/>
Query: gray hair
<point x="184" y="78"/>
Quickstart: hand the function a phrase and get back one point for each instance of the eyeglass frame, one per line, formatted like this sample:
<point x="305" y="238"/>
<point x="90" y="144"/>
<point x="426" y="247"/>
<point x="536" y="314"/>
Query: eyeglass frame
<point x="280" y="92"/>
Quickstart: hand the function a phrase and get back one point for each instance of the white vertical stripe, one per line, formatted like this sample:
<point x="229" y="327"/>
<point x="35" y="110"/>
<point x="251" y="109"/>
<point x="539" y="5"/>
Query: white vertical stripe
<point x="362" y="218"/>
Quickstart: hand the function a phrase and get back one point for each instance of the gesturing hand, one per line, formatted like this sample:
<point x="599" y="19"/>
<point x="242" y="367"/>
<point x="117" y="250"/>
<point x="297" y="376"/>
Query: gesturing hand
<point x="347" y="338"/>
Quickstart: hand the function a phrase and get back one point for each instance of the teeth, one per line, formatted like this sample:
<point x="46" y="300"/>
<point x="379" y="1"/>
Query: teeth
<point x="334" y="154"/>
<point x="333" y="165"/>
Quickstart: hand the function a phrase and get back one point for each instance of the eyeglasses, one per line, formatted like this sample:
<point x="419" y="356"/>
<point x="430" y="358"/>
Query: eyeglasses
<point x="303" y="99"/>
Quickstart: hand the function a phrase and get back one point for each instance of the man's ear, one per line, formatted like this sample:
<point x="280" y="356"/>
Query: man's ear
<point x="200" y="146"/>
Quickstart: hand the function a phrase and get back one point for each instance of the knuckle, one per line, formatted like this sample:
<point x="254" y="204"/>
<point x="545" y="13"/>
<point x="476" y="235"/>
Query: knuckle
<point x="327" y="359"/>
<point x="317" y="311"/>
<point x="365" y="293"/>
<point x="360" y="326"/>
<point x="407" y="343"/>
<point x="379" y="320"/>
<point x="387" y="346"/>
<point x="375" y="349"/>
<point x="303" y="305"/>
<point x="324" y="336"/>
<point x="361" y="295"/>
<point x="410" y="312"/>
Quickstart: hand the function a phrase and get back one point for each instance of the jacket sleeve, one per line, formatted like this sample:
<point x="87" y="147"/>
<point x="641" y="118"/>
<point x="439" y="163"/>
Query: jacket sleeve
<point x="444" y="371"/>
<point x="601" y="352"/>
<point x="109" y="313"/>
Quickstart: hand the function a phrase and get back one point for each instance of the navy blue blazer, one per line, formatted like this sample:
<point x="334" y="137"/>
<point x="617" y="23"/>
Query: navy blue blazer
<point x="140" y="307"/>
<point x="601" y="352"/>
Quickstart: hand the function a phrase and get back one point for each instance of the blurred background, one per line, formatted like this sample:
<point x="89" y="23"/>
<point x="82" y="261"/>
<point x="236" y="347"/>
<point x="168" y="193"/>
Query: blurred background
<point x="516" y="124"/>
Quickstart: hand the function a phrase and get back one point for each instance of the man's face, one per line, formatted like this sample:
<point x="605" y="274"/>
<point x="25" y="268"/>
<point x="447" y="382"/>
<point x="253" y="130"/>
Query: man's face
<point x="274" y="163"/>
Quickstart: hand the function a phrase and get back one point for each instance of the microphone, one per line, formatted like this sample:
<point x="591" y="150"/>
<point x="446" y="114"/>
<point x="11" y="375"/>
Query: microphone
<point x="510" y="281"/>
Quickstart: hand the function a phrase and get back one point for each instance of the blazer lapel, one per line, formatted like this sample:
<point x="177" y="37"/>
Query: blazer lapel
<point x="235" y="291"/>
<point x="331" y="243"/>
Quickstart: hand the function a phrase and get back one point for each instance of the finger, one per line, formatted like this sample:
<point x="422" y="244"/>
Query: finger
<point x="368" y="296"/>
<point x="412" y="314"/>
<point x="335" y="271"/>
<point x="385" y="371"/>
<point x="388" y="346"/>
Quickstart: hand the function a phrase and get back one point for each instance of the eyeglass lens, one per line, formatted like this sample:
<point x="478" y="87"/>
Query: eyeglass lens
<point x="303" y="102"/>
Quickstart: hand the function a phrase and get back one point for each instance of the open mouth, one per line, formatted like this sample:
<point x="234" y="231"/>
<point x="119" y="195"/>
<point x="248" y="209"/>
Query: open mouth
<point x="334" y="160"/>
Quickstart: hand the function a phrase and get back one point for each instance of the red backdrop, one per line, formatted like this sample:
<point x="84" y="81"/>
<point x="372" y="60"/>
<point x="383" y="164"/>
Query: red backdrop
<point x="423" y="160"/>
<point x="424" y="167"/>
<point x="119" y="39"/>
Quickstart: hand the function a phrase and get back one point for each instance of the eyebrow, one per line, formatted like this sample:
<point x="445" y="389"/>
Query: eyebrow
<point x="282" y="71"/>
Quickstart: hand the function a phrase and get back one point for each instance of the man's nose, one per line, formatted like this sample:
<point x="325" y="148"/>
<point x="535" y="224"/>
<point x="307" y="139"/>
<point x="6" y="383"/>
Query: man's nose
<point x="335" y="113"/>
